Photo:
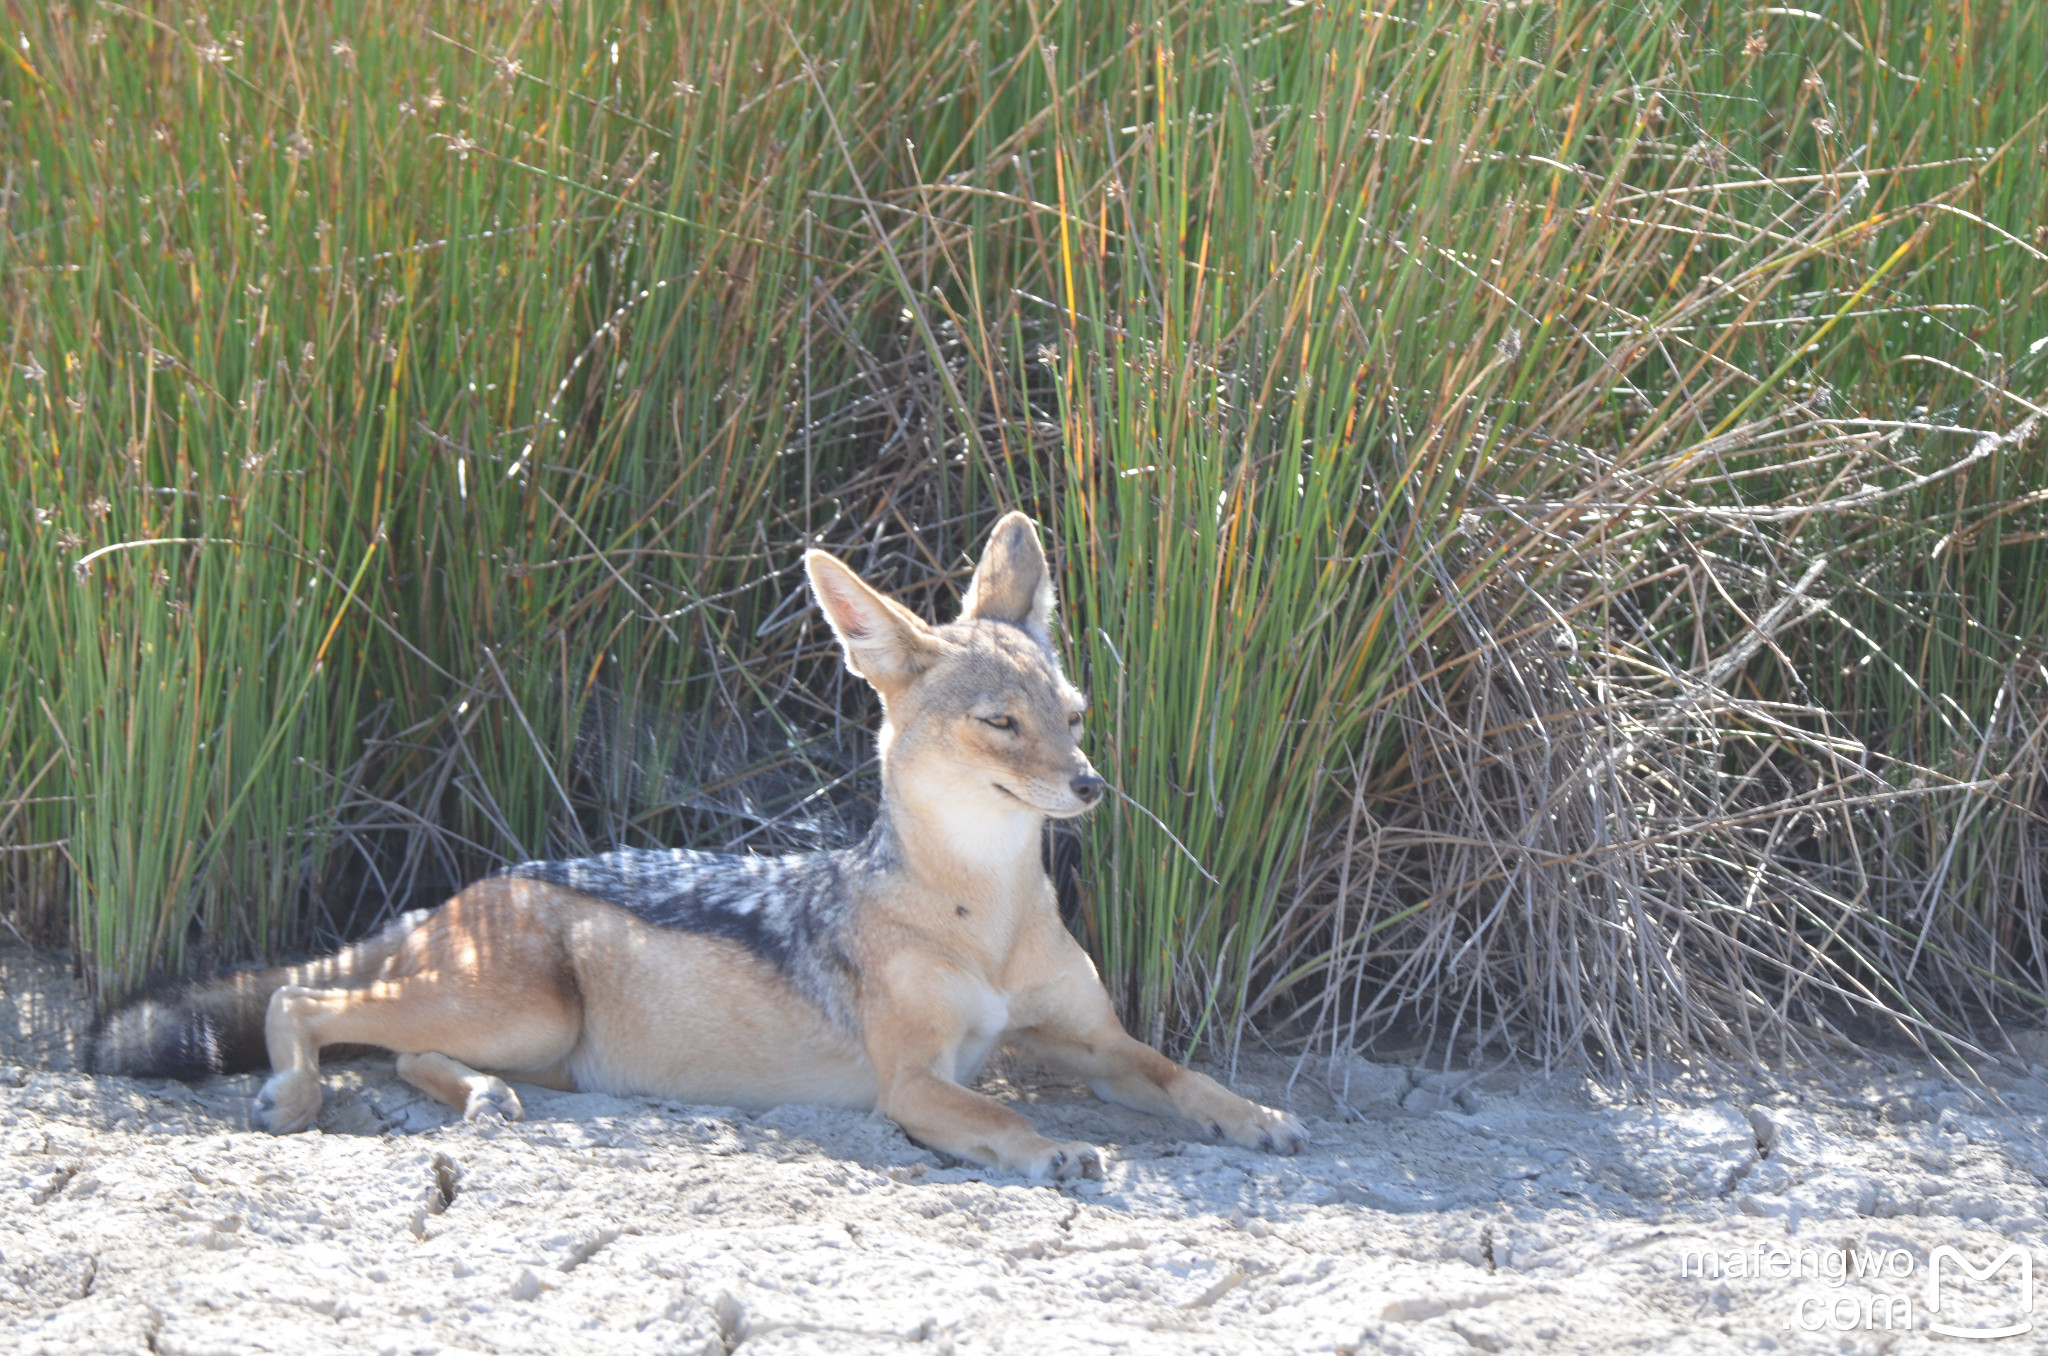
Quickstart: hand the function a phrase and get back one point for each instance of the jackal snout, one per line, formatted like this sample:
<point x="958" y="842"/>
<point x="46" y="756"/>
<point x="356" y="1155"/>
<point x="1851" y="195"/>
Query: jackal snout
<point x="1027" y="746"/>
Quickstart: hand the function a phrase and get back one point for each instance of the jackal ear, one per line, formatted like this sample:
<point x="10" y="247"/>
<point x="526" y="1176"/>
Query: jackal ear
<point x="885" y="642"/>
<point x="1012" y="583"/>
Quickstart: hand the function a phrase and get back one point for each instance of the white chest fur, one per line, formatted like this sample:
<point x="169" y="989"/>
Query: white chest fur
<point x="987" y="1018"/>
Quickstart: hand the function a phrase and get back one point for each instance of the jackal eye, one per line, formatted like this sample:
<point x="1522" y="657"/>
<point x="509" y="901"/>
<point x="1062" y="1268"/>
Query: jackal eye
<point x="1000" y="722"/>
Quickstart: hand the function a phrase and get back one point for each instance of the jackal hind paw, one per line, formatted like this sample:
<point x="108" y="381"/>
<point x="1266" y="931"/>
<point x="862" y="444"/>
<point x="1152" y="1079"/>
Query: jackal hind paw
<point x="495" y="1102"/>
<point x="287" y="1104"/>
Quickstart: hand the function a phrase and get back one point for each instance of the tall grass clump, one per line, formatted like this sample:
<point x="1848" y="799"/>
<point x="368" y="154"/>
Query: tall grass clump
<point x="1479" y="428"/>
<point x="1547" y="496"/>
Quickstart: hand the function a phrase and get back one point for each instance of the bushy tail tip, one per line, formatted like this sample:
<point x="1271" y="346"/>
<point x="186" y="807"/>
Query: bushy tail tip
<point x="169" y="1036"/>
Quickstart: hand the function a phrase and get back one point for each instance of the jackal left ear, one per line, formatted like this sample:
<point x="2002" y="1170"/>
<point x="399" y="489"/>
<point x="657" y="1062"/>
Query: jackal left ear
<point x="1012" y="583"/>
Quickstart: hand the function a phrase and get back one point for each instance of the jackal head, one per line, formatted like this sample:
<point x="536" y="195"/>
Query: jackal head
<point x="977" y="717"/>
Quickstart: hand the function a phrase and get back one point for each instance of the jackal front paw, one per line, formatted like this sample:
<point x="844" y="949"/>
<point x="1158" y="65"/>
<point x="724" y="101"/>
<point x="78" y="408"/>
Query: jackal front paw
<point x="495" y="1100"/>
<point x="1052" y="1162"/>
<point x="1261" y="1127"/>
<point x="288" y="1103"/>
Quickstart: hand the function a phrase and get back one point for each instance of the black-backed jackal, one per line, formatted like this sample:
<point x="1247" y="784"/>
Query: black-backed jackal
<point x="877" y="976"/>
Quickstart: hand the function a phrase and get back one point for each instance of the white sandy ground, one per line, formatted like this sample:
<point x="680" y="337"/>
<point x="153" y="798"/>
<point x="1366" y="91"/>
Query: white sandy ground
<point x="1434" y="1215"/>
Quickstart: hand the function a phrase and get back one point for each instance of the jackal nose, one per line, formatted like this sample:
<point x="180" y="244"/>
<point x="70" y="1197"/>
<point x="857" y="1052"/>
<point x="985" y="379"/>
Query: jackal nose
<point x="1089" y="787"/>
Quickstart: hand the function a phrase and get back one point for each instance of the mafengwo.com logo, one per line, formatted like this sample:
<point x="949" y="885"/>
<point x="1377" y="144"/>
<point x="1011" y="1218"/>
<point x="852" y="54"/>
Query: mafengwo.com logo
<point x="1955" y="1319"/>
<point x="1977" y="1295"/>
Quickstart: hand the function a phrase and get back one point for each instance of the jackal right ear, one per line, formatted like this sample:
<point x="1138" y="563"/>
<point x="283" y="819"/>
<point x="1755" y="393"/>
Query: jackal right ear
<point x="885" y="642"/>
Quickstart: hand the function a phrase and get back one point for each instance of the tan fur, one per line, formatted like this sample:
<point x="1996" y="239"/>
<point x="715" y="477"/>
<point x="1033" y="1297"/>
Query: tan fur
<point x="957" y="949"/>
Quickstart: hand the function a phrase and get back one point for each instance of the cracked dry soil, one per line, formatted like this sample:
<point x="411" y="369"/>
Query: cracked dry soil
<point x="1433" y="1213"/>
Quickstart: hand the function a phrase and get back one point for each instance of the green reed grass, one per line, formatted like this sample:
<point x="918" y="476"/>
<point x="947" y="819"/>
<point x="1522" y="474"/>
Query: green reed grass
<point x="1427" y="402"/>
<point x="1340" y="326"/>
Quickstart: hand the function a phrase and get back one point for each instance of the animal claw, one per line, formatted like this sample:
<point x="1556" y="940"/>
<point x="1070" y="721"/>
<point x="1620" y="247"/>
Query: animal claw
<point x="1291" y="1140"/>
<point x="496" y="1104"/>
<point x="266" y="1113"/>
<point x="1077" y="1160"/>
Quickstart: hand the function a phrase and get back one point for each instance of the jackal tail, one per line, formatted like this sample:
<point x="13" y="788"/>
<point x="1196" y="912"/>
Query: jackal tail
<point x="212" y="1024"/>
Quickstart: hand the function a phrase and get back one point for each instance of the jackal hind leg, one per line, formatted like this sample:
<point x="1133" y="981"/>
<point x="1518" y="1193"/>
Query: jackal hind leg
<point x="443" y="1025"/>
<point x="476" y="1095"/>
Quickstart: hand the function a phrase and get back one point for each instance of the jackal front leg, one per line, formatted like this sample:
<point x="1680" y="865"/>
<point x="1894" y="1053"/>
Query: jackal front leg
<point x="914" y="1035"/>
<point x="1081" y="1036"/>
<point x="942" y="1115"/>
